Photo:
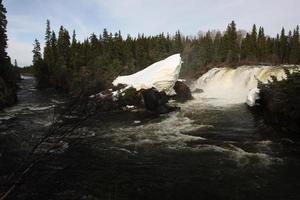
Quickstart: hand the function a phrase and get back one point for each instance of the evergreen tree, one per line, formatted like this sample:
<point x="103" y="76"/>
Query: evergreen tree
<point x="74" y="40"/>
<point x="54" y="68"/>
<point x="4" y="59"/>
<point x="253" y="44"/>
<point x="109" y="54"/>
<point x="37" y="56"/>
<point x="75" y="52"/>
<point x="48" y="57"/>
<point x="47" y="49"/>
<point x="178" y="46"/>
<point x="63" y="48"/>
<point x="282" y="46"/>
<point x="246" y="48"/>
<point x="230" y="46"/>
<point x="54" y="49"/>
<point x="294" y="56"/>
<point x="40" y="68"/>
<point x="261" y="45"/>
<point x="217" y="46"/>
<point x="16" y="63"/>
<point x="8" y="74"/>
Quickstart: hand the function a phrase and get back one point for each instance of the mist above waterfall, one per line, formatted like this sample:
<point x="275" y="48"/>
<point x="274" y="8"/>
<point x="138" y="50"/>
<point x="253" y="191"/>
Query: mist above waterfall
<point x="233" y="85"/>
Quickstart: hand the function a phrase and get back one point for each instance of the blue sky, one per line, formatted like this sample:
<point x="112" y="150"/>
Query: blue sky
<point x="27" y="18"/>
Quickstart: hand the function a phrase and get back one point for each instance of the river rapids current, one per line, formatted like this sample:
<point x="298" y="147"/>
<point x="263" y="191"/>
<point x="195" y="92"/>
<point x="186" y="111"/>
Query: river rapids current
<point x="214" y="148"/>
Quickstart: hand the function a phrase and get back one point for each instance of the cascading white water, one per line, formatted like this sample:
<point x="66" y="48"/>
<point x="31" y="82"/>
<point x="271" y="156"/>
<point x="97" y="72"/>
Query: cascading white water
<point x="233" y="85"/>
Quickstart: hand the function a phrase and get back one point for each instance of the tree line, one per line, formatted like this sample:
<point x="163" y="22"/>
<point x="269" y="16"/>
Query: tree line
<point x="236" y="47"/>
<point x="8" y="73"/>
<point x="66" y="62"/>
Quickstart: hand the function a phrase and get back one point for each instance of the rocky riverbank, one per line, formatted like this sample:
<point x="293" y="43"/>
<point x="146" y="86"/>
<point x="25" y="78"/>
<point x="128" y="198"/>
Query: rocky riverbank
<point x="8" y="95"/>
<point x="279" y="103"/>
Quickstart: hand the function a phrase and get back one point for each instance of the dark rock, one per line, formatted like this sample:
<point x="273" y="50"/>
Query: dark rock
<point x="150" y="99"/>
<point x="156" y="101"/>
<point x="118" y="87"/>
<point x="198" y="90"/>
<point x="183" y="92"/>
<point x="279" y="104"/>
<point x="8" y="94"/>
<point x="130" y="97"/>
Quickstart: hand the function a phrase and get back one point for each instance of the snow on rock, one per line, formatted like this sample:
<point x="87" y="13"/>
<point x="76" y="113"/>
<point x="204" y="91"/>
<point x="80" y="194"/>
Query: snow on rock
<point x="161" y="75"/>
<point x="252" y="96"/>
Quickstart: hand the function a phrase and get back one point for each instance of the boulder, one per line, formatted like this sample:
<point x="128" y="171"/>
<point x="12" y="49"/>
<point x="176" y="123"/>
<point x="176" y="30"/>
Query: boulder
<point x="183" y="92"/>
<point x="8" y="94"/>
<point x="156" y="101"/>
<point x="198" y="90"/>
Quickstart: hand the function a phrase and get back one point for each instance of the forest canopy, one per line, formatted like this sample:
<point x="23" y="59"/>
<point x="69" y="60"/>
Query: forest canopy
<point x="66" y="61"/>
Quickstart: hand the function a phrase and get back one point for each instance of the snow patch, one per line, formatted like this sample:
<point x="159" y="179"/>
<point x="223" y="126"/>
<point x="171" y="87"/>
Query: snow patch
<point x="252" y="96"/>
<point x="161" y="75"/>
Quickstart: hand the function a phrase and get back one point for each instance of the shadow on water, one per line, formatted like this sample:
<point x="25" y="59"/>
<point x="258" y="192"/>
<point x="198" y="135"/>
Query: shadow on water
<point x="203" y="152"/>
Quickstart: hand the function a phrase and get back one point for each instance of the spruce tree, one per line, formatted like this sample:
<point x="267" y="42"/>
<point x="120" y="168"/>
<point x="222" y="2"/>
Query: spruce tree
<point x="39" y="66"/>
<point x="294" y="56"/>
<point x="217" y="46"/>
<point x="63" y="47"/>
<point x="230" y="46"/>
<point x="4" y="59"/>
<point x="253" y="45"/>
<point x="261" y="45"/>
<point x="282" y="46"/>
<point x="178" y="46"/>
<point x="37" y="56"/>
<point x="246" y="48"/>
<point x="54" y="67"/>
<point x="16" y="63"/>
<point x="47" y="49"/>
<point x="75" y="51"/>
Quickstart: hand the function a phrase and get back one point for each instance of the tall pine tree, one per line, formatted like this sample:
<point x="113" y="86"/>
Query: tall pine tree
<point x="40" y="68"/>
<point x="294" y="56"/>
<point x="4" y="59"/>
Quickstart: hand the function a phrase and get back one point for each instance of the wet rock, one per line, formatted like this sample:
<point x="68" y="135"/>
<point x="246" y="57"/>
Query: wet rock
<point x="8" y="95"/>
<point x="156" y="101"/>
<point x="198" y="90"/>
<point x="183" y="92"/>
<point x="279" y="104"/>
<point x="130" y="97"/>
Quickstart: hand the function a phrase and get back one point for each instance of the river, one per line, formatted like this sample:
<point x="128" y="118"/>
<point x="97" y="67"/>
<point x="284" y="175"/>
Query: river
<point x="208" y="150"/>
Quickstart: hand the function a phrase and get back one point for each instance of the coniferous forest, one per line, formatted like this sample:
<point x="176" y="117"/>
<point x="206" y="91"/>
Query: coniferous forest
<point x="215" y="117"/>
<point x="8" y="72"/>
<point x="65" y="60"/>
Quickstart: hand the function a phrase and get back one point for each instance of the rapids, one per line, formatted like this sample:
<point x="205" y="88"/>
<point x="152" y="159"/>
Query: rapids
<point x="214" y="148"/>
<point x="233" y="85"/>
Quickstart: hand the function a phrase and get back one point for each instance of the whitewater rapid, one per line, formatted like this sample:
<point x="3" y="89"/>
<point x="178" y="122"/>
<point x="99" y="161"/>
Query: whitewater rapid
<point x="233" y="85"/>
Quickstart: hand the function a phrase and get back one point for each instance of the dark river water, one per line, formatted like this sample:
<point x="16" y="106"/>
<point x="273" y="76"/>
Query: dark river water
<point x="211" y="149"/>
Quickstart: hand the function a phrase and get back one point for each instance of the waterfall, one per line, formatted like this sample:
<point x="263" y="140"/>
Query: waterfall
<point x="235" y="84"/>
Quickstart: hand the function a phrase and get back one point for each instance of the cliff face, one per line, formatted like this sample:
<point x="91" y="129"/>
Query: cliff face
<point x="280" y="103"/>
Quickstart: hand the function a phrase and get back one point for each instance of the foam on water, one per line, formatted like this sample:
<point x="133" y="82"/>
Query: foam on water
<point x="40" y="108"/>
<point x="240" y="156"/>
<point x="26" y="77"/>
<point x="170" y="132"/>
<point x="232" y="86"/>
